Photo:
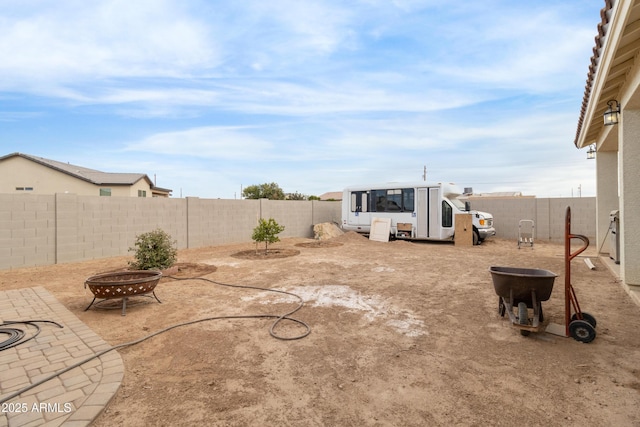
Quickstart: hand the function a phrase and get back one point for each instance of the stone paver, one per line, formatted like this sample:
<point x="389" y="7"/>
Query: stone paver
<point x="74" y="398"/>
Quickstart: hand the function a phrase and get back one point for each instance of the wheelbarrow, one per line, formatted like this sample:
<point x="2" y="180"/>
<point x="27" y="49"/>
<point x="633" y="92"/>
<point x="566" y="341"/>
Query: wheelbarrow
<point x="522" y="289"/>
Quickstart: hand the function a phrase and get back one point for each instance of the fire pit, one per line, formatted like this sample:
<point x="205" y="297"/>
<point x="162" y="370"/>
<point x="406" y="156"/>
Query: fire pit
<point x="123" y="284"/>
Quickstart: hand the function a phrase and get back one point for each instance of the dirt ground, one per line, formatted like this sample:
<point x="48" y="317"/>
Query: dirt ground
<point x="402" y="334"/>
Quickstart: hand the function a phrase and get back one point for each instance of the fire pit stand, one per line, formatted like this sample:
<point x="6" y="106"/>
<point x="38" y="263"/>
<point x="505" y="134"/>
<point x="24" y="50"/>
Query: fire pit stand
<point x="123" y="284"/>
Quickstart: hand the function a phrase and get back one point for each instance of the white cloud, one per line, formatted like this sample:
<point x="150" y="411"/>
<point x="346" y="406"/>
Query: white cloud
<point x="205" y="142"/>
<point x="312" y="24"/>
<point x="315" y="95"/>
<point x="103" y="39"/>
<point x="517" y="48"/>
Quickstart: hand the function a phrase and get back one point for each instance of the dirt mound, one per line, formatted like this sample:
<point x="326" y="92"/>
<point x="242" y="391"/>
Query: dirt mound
<point x="326" y="230"/>
<point x="351" y="236"/>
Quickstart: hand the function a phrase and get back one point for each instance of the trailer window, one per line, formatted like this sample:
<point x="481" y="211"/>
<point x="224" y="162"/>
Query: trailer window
<point x="359" y="201"/>
<point x="447" y="214"/>
<point x="378" y="200"/>
<point x="407" y="199"/>
<point x="394" y="200"/>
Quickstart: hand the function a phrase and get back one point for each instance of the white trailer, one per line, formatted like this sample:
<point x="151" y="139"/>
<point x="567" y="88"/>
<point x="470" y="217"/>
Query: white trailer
<point x="418" y="210"/>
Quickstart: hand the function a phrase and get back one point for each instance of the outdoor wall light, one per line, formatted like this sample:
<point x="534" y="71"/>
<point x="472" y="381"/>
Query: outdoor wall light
<point x="612" y="116"/>
<point x="591" y="154"/>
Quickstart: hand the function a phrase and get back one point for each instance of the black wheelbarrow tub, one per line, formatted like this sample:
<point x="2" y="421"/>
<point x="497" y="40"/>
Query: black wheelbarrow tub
<point x="515" y="284"/>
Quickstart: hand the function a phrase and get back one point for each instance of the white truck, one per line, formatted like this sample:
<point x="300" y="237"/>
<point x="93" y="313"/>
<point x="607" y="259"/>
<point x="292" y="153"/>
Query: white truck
<point x="417" y="210"/>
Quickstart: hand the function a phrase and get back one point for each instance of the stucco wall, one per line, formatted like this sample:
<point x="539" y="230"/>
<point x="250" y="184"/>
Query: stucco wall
<point x="20" y="172"/>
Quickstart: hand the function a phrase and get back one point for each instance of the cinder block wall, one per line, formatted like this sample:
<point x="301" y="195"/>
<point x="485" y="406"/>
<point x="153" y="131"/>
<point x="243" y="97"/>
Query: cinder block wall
<point x="220" y="221"/>
<point x="90" y="227"/>
<point x="326" y="212"/>
<point x="43" y="230"/>
<point x="297" y="222"/>
<point x="27" y="230"/>
<point x="547" y="214"/>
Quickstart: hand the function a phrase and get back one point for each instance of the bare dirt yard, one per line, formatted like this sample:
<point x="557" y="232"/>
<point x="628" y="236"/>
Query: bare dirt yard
<point x="402" y="334"/>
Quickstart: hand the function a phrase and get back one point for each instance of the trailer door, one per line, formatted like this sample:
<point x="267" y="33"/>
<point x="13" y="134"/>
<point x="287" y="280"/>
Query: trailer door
<point x="434" y="212"/>
<point x="422" y="209"/>
<point x="359" y="209"/>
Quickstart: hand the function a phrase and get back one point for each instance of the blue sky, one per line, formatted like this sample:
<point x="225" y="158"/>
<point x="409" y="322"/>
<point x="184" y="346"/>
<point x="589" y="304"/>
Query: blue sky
<point x="211" y="96"/>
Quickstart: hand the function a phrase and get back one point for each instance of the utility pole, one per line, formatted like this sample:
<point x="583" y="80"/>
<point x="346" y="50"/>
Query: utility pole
<point x="424" y="174"/>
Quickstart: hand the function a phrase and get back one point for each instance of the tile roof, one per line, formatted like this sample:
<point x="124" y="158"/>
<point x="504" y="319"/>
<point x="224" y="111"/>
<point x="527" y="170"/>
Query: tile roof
<point x="612" y="74"/>
<point x="593" y="66"/>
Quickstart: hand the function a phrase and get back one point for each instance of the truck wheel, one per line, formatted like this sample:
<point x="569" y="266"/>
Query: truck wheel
<point x="476" y="238"/>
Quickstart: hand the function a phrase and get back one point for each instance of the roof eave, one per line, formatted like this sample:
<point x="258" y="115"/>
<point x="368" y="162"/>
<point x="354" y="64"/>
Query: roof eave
<point x="606" y="80"/>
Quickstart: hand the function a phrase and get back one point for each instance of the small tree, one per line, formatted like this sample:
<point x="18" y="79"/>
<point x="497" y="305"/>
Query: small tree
<point x="267" y="231"/>
<point x="296" y="196"/>
<point x="270" y="191"/>
<point x="154" y="251"/>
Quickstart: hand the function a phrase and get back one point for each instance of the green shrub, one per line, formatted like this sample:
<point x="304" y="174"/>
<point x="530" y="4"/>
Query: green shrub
<point x="266" y="232"/>
<point x="154" y="251"/>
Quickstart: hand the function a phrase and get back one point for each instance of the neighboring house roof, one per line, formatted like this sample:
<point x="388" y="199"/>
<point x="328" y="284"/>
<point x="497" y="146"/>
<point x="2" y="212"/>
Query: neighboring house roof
<point x="498" y="194"/>
<point x="614" y="55"/>
<point x="161" y="190"/>
<point x="333" y="195"/>
<point x="89" y="175"/>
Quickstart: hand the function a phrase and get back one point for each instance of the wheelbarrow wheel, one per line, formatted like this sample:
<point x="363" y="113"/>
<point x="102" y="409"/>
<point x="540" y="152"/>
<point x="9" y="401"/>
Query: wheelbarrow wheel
<point x="585" y="316"/>
<point x="581" y="330"/>
<point x="523" y="317"/>
<point x="523" y="313"/>
<point x="502" y="309"/>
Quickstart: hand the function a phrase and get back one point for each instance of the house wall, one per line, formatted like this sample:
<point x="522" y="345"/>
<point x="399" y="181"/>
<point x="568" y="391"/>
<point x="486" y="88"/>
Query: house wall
<point x="51" y="229"/>
<point x="629" y="232"/>
<point x="20" y="172"/>
<point x="142" y="184"/>
<point x="607" y="194"/>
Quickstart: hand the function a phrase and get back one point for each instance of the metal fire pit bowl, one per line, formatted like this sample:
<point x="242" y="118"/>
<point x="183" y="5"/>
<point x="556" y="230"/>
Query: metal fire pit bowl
<point x="123" y="284"/>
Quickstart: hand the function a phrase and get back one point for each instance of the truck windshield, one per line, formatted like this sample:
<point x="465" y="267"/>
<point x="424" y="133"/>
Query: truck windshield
<point x="457" y="202"/>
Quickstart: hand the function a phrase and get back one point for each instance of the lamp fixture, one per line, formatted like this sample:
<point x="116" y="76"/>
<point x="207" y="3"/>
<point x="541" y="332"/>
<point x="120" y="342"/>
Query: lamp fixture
<point x="591" y="154"/>
<point x="612" y="115"/>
